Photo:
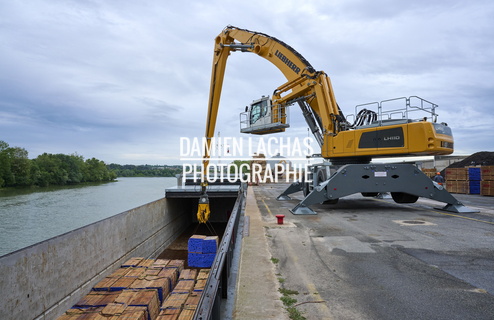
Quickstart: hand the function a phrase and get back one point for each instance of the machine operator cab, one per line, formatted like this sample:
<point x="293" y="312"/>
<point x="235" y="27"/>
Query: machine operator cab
<point x="262" y="117"/>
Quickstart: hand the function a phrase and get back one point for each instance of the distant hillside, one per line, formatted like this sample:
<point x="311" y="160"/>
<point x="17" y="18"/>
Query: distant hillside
<point x="484" y="158"/>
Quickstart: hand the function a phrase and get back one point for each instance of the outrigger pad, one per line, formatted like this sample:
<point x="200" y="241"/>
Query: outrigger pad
<point x="283" y="198"/>
<point x="457" y="208"/>
<point x="300" y="209"/>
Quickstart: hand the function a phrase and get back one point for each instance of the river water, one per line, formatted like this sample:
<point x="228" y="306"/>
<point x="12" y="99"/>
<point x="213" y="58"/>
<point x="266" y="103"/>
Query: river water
<point x="29" y="216"/>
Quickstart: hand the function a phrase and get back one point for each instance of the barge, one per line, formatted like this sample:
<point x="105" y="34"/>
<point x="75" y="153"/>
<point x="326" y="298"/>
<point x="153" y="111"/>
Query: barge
<point x="48" y="278"/>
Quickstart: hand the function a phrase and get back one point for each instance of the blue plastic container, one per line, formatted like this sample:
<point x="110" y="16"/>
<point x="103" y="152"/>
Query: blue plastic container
<point x="474" y="187"/>
<point x="474" y="174"/>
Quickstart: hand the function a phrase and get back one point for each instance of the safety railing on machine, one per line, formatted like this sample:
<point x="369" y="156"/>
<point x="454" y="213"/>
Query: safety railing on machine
<point x="278" y="118"/>
<point x="389" y="111"/>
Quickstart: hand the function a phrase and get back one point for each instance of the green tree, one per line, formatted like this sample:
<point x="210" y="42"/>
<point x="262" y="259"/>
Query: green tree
<point x="96" y="170"/>
<point x="129" y="170"/>
<point x="16" y="169"/>
<point x="20" y="166"/>
<point x="238" y="163"/>
<point x="5" y="173"/>
<point x="51" y="171"/>
<point x="14" y="166"/>
<point x="74" y="166"/>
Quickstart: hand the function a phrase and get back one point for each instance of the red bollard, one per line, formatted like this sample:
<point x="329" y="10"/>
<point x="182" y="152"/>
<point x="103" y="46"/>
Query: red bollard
<point x="280" y="218"/>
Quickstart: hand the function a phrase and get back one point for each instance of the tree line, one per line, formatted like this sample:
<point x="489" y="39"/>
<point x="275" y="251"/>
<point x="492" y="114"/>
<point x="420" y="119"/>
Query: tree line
<point x="16" y="169"/>
<point x="146" y="170"/>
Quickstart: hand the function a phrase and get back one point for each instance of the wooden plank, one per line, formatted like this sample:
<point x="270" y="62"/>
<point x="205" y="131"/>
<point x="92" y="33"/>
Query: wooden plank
<point x="203" y="274"/>
<point x="161" y="285"/>
<point x="113" y="309"/>
<point x="184" y="286"/>
<point x="193" y="300"/>
<point x="169" y="314"/>
<point x="97" y="299"/>
<point x="462" y="187"/>
<point x="188" y="274"/>
<point x="487" y="173"/>
<point x="135" y="272"/>
<point x="462" y="174"/>
<point x="125" y="297"/>
<point x="132" y="262"/>
<point x="122" y="283"/>
<point x="187" y="314"/>
<point x="178" y="264"/>
<point x="200" y="285"/>
<point x="134" y="313"/>
<point x="147" y="298"/>
<point x="175" y="300"/>
<point x="452" y="186"/>
<point x="105" y="284"/>
<point x="71" y="314"/>
<point x="487" y="188"/>
<point x="151" y="272"/>
<point x="145" y="263"/>
<point x="120" y="272"/>
<point x="171" y="274"/>
<point x="160" y="263"/>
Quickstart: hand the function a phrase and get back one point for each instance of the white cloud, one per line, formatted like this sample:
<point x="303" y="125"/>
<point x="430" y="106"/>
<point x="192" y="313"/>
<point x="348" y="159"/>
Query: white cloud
<point x="122" y="81"/>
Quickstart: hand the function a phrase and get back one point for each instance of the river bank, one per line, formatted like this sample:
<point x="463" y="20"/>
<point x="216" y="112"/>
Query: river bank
<point x="31" y="215"/>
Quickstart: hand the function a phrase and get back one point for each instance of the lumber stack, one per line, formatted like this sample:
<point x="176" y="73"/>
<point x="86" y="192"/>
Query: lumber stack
<point x="143" y="289"/>
<point x="471" y="180"/>
<point x="429" y="172"/>
<point x="456" y="180"/>
<point x="202" y="251"/>
<point x="487" y="184"/>
<point x="184" y="299"/>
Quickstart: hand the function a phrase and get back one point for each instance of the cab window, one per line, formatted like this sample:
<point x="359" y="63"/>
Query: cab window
<point x="258" y="111"/>
<point x="255" y="112"/>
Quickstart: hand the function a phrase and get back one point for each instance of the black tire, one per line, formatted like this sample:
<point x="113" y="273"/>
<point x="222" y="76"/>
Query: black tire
<point x="306" y="189"/>
<point x="402" y="197"/>
<point x="370" y="194"/>
<point x="332" y="201"/>
<point x="321" y="177"/>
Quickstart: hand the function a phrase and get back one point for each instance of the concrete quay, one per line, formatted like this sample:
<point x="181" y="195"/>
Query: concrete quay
<point x="366" y="258"/>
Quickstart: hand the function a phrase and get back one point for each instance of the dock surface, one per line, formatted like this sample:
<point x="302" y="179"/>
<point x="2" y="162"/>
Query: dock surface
<point x="366" y="258"/>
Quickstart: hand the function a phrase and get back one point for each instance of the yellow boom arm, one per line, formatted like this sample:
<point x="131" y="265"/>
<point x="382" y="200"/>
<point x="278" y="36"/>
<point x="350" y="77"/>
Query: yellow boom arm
<point x="312" y="90"/>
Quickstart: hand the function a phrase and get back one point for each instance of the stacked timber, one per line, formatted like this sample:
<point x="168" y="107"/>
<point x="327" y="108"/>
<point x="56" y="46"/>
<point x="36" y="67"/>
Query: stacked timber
<point x="456" y="180"/>
<point x="487" y="184"/>
<point x="202" y="250"/>
<point x="429" y="172"/>
<point x="471" y="180"/>
<point x="143" y="289"/>
<point x="184" y="299"/>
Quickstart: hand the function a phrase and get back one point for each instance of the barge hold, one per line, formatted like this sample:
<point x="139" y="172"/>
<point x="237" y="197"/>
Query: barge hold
<point x="47" y="279"/>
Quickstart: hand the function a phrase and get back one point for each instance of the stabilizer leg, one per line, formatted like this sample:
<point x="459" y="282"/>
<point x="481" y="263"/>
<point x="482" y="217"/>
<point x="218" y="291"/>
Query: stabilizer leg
<point x="453" y="205"/>
<point x="381" y="178"/>
<point x="317" y="195"/>
<point x="294" y="187"/>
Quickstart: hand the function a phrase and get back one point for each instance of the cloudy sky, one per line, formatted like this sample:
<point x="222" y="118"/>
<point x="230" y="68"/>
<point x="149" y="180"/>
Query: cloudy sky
<point x="122" y="81"/>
